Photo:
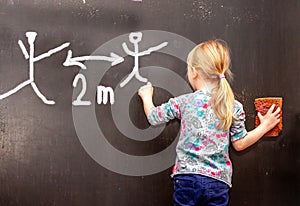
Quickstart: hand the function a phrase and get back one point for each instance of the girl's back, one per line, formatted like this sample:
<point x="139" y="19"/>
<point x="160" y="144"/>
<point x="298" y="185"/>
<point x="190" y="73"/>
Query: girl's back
<point x="202" y="147"/>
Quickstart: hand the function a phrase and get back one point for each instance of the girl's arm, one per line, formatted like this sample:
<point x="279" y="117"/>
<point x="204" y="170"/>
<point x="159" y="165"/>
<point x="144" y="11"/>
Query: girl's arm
<point x="270" y="120"/>
<point x="162" y="113"/>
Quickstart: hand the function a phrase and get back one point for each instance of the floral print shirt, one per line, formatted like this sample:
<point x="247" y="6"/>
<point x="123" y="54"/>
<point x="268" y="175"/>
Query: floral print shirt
<point x="202" y="148"/>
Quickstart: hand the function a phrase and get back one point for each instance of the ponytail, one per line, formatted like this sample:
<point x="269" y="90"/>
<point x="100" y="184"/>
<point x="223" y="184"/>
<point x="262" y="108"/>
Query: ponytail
<point x="223" y="101"/>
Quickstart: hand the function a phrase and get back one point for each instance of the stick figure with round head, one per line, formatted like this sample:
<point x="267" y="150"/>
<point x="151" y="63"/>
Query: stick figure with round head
<point x="135" y="38"/>
<point x="31" y="36"/>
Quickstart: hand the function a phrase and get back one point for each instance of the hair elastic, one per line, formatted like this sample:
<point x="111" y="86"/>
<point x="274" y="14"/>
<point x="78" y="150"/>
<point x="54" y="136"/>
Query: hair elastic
<point x="221" y="76"/>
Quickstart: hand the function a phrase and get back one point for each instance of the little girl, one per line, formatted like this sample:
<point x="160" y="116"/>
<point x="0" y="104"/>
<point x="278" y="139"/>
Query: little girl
<point x="210" y="119"/>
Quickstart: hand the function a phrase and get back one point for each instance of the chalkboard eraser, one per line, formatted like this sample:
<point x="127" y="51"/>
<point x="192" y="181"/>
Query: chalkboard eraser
<point x="262" y="105"/>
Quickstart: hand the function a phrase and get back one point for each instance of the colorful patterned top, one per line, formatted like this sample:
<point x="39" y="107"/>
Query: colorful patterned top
<point x="201" y="148"/>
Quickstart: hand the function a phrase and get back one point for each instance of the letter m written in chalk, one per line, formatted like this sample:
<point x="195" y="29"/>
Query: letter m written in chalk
<point x="103" y="93"/>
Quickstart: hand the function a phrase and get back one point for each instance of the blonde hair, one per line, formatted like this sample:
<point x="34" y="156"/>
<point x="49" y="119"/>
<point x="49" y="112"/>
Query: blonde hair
<point x="211" y="60"/>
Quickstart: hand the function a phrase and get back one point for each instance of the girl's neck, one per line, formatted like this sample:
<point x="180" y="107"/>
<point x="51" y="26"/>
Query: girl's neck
<point x="205" y="86"/>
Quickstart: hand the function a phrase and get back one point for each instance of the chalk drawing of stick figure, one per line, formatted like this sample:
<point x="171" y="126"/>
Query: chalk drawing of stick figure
<point x="31" y="38"/>
<point x="135" y="38"/>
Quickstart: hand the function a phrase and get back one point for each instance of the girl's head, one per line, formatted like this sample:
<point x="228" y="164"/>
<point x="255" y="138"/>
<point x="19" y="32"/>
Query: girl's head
<point x="208" y="66"/>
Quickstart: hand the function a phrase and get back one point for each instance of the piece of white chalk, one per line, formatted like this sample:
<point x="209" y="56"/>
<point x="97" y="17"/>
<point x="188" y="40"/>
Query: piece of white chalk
<point x="148" y="85"/>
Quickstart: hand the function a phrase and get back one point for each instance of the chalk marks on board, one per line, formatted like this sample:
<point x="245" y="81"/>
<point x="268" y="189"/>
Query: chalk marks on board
<point x="135" y="38"/>
<point x="76" y="61"/>
<point x="31" y="36"/>
<point x="102" y="92"/>
<point x="102" y="95"/>
<point x="78" y="101"/>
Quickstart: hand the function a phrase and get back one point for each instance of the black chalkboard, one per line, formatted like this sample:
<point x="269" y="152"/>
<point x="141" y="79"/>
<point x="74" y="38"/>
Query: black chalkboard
<point x="52" y="153"/>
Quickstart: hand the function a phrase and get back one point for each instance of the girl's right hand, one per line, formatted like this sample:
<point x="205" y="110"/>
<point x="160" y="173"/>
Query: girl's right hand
<point x="267" y="122"/>
<point x="146" y="91"/>
<point x="271" y="119"/>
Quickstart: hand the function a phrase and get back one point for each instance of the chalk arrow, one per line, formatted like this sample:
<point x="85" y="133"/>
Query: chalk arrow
<point x="76" y="61"/>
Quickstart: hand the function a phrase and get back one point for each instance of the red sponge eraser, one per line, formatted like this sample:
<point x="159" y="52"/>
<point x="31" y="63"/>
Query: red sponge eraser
<point x="262" y="105"/>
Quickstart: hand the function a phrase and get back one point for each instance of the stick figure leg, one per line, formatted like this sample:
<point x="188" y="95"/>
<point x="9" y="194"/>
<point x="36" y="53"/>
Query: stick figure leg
<point x="17" y="88"/>
<point x="128" y="78"/>
<point x="40" y="95"/>
<point x="139" y="77"/>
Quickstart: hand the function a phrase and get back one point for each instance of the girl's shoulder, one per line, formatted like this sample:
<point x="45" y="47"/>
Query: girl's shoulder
<point x="196" y="94"/>
<point x="193" y="98"/>
<point x="193" y="95"/>
<point x="237" y="104"/>
<point x="238" y="109"/>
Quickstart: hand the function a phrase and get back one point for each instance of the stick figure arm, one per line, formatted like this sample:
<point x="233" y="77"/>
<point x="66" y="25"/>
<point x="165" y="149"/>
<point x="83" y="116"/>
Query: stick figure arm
<point x="51" y="51"/>
<point x="23" y="49"/>
<point x="124" y="45"/>
<point x="152" y="49"/>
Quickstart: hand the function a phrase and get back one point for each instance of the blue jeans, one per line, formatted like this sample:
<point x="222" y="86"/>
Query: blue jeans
<point x="193" y="189"/>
